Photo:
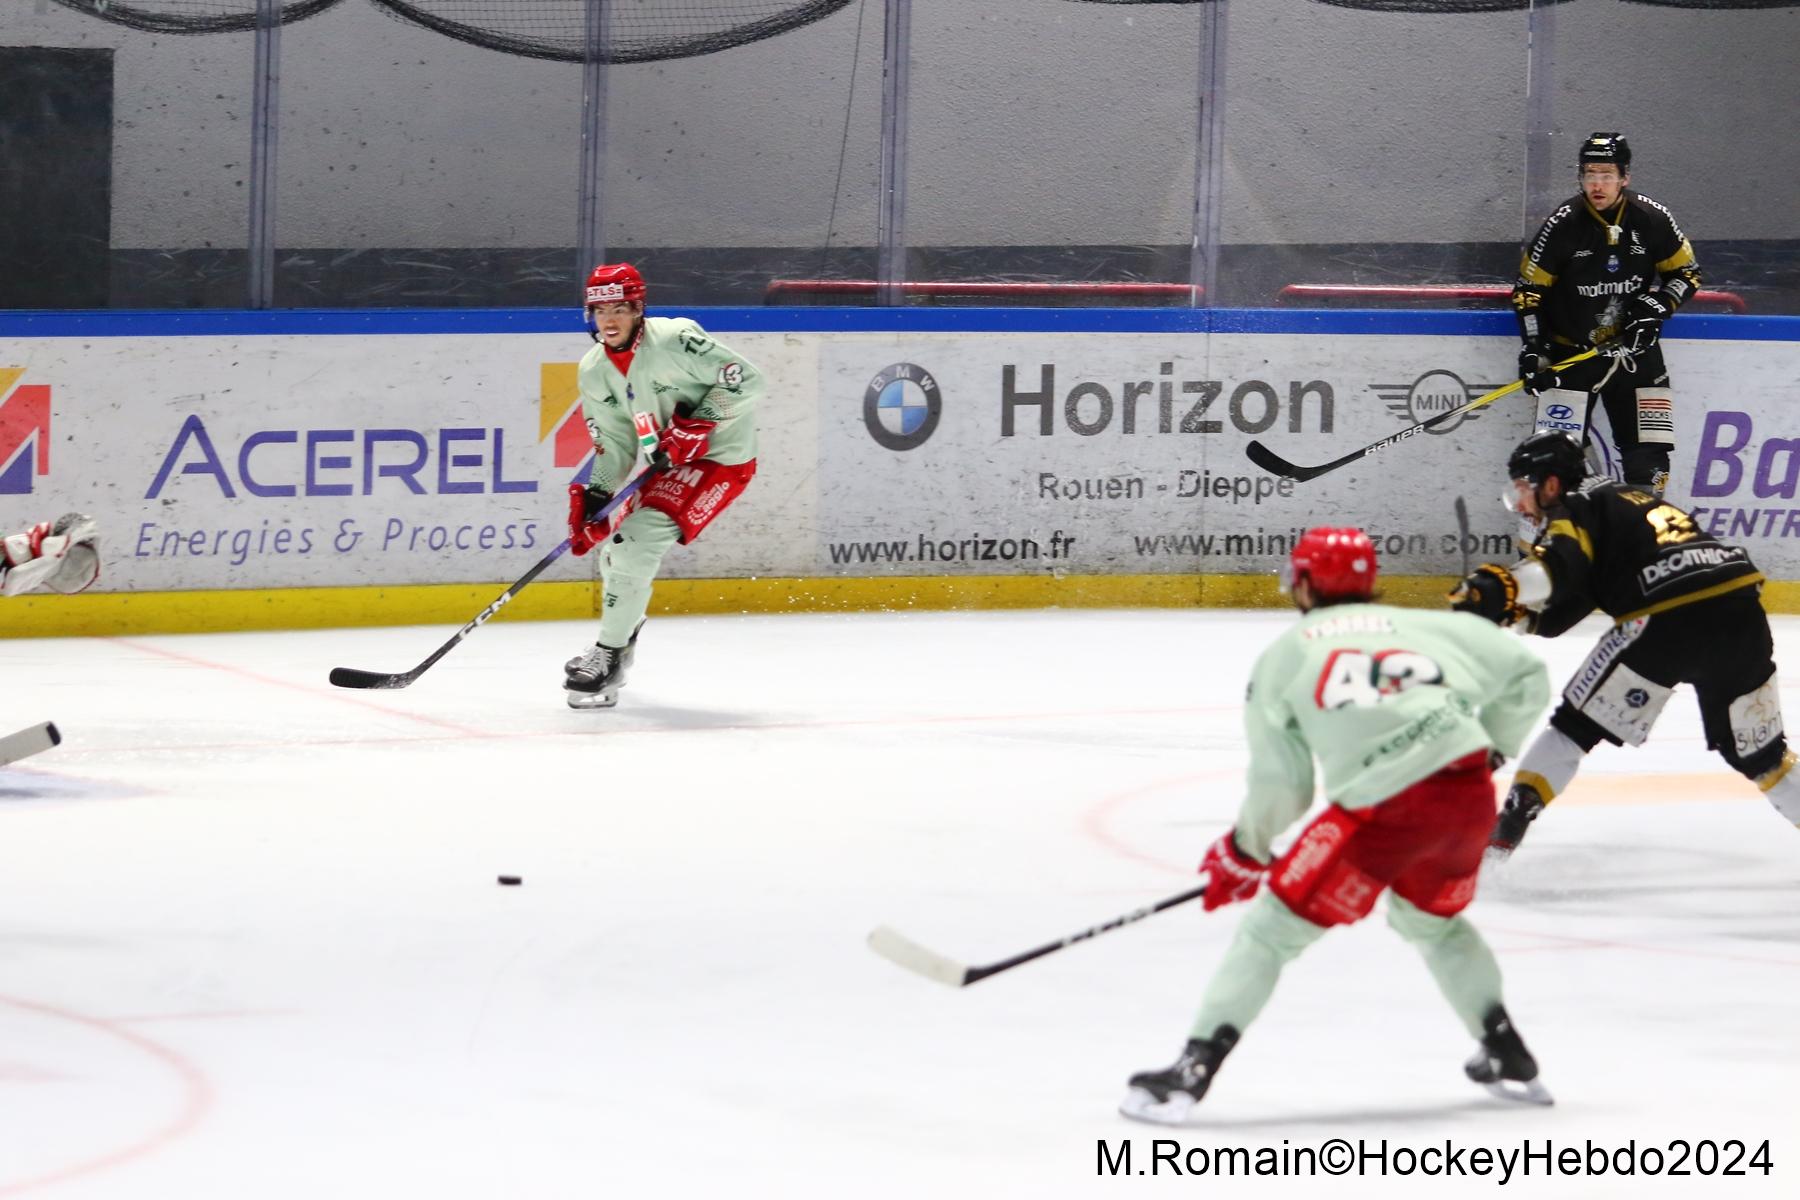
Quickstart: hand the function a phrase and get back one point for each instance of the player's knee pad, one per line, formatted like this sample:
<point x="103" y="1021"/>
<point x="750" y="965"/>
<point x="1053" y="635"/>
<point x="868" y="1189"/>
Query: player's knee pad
<point x="1656" y="417"/>
<point x="1617" y="700"/>
<point x="1758" y="741"/>
<point x="1564" y="410"/>
<point x="638" y="546"/>
<point x="1418" y="926"/>
<point x="1279" y="928"/>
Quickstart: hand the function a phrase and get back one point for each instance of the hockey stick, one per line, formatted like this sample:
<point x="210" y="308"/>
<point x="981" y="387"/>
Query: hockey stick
<point x="33" y="739"/>
<point x="351" y="677"/>
<point x="1462" y="533"/>
<point x="903" y="951"/>
<point x="1273" y="463"/>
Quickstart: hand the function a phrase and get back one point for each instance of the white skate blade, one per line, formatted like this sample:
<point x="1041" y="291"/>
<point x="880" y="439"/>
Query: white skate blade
<point x="1140" y="1105"/>
<point x="586" y="700"/>
<point x="1532" y="1092"/>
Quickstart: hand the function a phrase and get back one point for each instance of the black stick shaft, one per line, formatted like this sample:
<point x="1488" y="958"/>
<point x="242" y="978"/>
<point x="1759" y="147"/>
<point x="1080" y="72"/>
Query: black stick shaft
<point x="350" y="677"/>
<point x="1139" y="914"/>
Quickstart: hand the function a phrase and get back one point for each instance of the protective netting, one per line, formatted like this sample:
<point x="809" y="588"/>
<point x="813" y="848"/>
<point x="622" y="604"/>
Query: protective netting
<point x="631" y="31"/>
<point x="635" y="30"/>
<point x="192" y="16"/>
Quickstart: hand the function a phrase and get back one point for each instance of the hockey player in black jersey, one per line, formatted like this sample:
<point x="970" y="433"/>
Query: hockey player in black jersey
<point x="1610" y="265"/>
<point x="1686" y="609"/>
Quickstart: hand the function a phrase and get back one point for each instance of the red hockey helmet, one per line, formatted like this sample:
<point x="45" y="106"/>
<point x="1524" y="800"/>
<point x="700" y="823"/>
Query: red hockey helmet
<point x="1338" y="563"/>
<point x="611" y="283"/>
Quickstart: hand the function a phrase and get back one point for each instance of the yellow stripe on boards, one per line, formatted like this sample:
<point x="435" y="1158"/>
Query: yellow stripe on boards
<point x="102" y="614"/>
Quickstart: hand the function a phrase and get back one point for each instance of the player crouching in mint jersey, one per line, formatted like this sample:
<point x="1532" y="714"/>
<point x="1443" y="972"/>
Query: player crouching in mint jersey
<point x="1402" y="710"/>
<point x="660" y="377"/>
<point x="62" y="556"/>
<point x="1685" y="609"/>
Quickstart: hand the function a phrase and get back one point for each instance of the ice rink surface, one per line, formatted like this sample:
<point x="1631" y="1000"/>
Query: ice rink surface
<point x="252" y="944"/>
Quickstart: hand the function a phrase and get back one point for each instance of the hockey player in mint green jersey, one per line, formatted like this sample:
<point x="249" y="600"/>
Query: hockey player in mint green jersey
<point x="1403" y="710"/>
<point x="664" y="385"/>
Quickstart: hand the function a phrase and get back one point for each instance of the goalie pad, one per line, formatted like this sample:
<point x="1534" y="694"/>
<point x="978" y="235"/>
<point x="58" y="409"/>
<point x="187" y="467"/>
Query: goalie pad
<point x="60" y="556"/>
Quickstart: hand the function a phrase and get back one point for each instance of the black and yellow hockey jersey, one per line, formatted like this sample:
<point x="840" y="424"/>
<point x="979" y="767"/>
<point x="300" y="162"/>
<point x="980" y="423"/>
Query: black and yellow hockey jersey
<point x="1583" y="265"/>
<point x="1629" y="553"/>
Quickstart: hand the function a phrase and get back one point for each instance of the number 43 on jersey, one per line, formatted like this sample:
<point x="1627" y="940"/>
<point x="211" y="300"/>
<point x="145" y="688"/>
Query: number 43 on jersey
<point x="1360" y="678"/>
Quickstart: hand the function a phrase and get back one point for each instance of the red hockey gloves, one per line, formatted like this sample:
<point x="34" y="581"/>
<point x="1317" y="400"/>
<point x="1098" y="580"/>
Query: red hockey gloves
<point x="1231" y="874"/>
<point x="1523" y="804"/>
<point x="61" y="556"/>
<point x="1534" y="368"/>
<point x="682" y="442"/>
<point x="1489" y="591"/>
<point x="584" y="504"/>
<point x="1642" y="326"/>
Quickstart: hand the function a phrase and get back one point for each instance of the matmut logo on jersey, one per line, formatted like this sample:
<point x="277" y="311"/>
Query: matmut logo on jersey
<point x="24" y="432"/>
<point x="1431" y="395"/>
<point x="559" y="418"/>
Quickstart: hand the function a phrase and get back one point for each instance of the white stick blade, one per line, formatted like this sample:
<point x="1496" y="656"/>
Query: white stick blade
<point x="903" y="951"/>
<point x="34" y="739"/>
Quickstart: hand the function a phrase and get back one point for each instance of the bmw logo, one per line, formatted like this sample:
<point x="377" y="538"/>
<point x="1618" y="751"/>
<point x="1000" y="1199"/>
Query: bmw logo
<point x="901" y="406"/>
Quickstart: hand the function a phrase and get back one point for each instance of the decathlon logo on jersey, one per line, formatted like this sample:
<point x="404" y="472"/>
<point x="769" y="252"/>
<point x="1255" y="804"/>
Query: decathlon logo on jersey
<point x="901" y="406"/>
<point x="24" y="432"/>
<point x="1431" y="395"/>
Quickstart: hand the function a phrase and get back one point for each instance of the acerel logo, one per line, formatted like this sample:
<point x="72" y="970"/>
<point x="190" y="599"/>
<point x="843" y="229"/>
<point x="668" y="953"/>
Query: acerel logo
<point x="559" y="417"/>
<point x="24" y="432"/>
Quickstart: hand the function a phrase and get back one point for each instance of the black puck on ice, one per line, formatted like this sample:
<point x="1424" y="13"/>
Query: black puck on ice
<point x="511" y="880"/>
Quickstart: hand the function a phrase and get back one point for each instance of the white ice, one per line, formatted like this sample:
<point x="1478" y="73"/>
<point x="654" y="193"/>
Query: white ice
<point x="252" y="944"/>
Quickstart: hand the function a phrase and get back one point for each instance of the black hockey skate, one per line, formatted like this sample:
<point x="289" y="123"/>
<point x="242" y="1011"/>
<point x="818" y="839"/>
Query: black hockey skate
<point x="1503" y="1065"/>
<point x="595" y="678"/>
<point x="1166" y="1097"/>
<point x="570" y="667"/>
<point x="1523" y="804"/>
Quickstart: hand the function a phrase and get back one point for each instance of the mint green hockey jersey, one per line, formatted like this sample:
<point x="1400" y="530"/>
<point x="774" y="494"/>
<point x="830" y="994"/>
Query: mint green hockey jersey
<point x="677" y="367"/>
<point x="1383" y="697"/>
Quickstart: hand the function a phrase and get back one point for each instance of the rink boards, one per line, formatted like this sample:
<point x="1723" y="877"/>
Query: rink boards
<point x="258" y="470"/>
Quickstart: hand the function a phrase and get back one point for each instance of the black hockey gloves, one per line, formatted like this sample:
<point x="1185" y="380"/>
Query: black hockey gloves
<point x="1534" y="368"/>
<point x="1489" y="591"/>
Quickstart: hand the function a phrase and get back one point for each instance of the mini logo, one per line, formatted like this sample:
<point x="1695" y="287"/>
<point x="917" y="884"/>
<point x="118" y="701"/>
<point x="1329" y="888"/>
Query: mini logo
<point x="24" y="432"/>
<point x="1430" y="395"/>
<point x="901" y="406"/>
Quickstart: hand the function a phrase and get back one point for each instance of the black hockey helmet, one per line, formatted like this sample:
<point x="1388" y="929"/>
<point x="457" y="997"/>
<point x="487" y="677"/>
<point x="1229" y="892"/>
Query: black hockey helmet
<point x="1547" y="453"/>
<point x="1605" y="148"/>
